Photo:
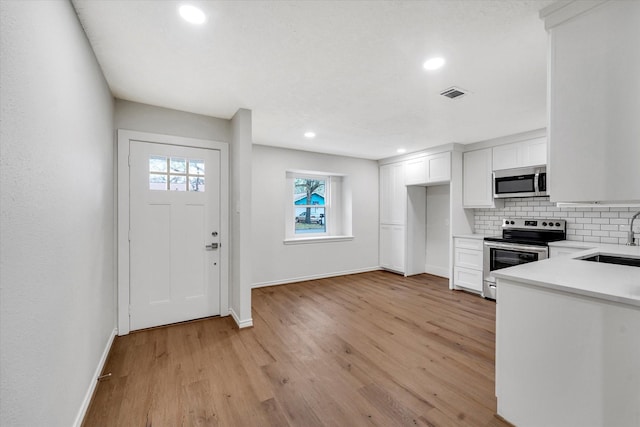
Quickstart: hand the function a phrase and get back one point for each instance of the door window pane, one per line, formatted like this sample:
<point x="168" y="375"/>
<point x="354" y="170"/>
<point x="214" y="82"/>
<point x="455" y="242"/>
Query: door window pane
<point x="157" y="182"/>
<point x="196" y="167"/>
<point x="157" y="164"/>
<point x="178" y="165"/>
<point x="178" y="183"/>
<point x="196" y="183"/>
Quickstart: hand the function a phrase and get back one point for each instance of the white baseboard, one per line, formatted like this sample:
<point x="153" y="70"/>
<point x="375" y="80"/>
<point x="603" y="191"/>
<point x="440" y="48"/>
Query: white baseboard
<point x="313" y="277"/>
<point x="94" y="380"/>
<point x="247" y="323"/>
<point x="437" y="271"/>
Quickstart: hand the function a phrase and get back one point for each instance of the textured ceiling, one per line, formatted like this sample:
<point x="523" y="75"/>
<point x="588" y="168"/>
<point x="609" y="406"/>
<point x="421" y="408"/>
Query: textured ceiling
<point x="349" y="70"/>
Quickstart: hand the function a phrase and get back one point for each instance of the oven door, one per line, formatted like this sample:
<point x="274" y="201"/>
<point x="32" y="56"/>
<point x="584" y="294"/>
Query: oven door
<point x="498" y="255"/>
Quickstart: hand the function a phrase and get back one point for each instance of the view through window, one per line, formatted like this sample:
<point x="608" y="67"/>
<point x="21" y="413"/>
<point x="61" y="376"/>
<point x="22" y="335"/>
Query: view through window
<point x="310" y="205"/>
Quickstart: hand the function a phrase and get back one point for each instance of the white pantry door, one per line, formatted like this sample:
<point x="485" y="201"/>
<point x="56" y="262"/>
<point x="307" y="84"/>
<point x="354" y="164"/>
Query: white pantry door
<point x="175" y="225"/>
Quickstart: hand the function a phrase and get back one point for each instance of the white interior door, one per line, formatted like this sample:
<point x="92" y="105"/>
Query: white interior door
<point x="174" y="233"/>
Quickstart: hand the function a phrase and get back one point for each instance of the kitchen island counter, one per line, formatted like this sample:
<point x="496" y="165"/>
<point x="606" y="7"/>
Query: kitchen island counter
<point x="568" y="341"/>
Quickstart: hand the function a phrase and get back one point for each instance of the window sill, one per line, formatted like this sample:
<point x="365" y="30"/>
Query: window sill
<point x="317" y="239"/>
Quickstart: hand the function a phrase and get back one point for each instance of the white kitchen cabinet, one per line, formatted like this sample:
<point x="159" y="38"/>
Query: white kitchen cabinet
<point x="392" y="243"/>
<point x="520" y="154"/>
<point x="431" y="169"/>
<point x="393" y="194"/>
<point x="594" y="101"/>
<point x="393" y="205"/>
<point x="416" y="171"/>
<point x="477" y="180"/>
<point x="467" y="263"/>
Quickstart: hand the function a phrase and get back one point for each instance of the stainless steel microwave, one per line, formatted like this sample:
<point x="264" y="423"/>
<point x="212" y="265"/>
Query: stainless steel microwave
<point x="520" y="182"/>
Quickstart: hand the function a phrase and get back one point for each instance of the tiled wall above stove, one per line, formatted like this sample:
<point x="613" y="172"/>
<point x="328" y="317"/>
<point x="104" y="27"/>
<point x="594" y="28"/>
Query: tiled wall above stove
<point x="593" y="224"/>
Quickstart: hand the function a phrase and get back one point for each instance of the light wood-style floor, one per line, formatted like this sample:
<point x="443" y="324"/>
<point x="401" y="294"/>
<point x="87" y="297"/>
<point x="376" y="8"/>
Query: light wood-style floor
<point x="367" y="349"/>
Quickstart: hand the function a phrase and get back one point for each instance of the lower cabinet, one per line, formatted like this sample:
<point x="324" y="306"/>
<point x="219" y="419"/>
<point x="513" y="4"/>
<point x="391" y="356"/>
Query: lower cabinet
<point x="467" y="263"/>
<point x="392" y="243"/>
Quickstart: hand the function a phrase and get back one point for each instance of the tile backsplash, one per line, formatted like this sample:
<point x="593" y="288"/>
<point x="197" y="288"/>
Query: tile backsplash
<point x="592" y="224"/>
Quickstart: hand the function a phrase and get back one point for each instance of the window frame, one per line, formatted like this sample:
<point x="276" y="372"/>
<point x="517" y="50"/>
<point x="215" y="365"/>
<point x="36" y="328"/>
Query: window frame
<point x="337" y="205"/>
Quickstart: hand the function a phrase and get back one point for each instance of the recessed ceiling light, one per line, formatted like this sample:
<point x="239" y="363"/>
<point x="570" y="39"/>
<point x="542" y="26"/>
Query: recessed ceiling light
<point x="433" y="63"/>
<point x="309" y="134"/>
<point x="402" y="150"/>
<point x="192" y="14"/>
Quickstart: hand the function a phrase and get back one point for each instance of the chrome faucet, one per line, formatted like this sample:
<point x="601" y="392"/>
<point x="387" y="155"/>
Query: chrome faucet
<point x="630" y="238"/>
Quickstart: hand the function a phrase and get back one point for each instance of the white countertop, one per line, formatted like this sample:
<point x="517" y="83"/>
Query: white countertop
<point x="619" y="283"/>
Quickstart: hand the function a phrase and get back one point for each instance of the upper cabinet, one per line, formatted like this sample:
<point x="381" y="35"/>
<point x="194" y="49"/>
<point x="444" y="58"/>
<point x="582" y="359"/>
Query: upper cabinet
<point x="594" y="101"/>
<point x="520" y="154"/>
<point x="477" y="179"/>
<point x="393" y="194"/>
<point x="429" y="169"/>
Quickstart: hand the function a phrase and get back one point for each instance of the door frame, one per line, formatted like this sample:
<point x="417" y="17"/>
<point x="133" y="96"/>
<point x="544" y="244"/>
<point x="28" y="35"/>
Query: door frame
<point x="124" y="141"/>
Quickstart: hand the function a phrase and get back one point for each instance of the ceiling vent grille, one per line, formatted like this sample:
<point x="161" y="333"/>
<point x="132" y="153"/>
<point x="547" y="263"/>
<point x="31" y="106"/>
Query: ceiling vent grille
<point x="454" y="92"/>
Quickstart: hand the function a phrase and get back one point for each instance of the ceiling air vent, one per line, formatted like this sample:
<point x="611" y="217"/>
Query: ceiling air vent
<point x="454" y="92"/>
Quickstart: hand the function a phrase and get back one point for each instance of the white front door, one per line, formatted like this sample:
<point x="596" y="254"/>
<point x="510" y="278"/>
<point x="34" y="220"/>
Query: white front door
<point x="174" y="202"/>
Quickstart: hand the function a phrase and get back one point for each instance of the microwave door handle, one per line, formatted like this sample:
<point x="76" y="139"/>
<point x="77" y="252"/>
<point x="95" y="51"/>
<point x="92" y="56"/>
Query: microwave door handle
<point x="536" y="186"/>
<point x="493" y="184"/>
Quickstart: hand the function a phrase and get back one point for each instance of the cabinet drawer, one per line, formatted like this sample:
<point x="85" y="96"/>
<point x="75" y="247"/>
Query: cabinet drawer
<point x="473" y="244"/>
<point x="468" y="258"/>
<point x="467" y="278"/>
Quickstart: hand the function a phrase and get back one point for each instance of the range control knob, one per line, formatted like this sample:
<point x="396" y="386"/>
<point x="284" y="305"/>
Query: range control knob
<point x="512" y="222"/>
<point x="550" y="224"/>
<point x="557" y="224"/>
<point x="544" y="224"/>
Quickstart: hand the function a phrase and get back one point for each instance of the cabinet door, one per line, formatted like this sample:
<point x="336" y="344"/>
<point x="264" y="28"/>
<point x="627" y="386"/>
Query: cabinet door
<point x="416" y="171"/>
<point x="439" y="167"/>
<point x="505" y="156"/>
<point x="520" y="154"/>
<point x="393" y="194"/>
<point x="392" y="239"/>
<point x="477" y="179"/>
<point x="467" y="278"/>
<point x="595" y="105"/>
<point x="535" y="152"/>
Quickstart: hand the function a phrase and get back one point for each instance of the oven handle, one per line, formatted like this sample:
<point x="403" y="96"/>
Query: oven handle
<point x="516" y="247"/>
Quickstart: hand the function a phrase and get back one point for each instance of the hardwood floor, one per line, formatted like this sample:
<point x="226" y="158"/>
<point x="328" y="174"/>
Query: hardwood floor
<point x="367" y="349"/>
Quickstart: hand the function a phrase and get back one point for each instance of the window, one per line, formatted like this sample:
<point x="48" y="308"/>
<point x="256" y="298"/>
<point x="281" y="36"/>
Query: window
<point x="318" y="207"/>
<point x="176" y="174"/>
<point x="309" y="204"/>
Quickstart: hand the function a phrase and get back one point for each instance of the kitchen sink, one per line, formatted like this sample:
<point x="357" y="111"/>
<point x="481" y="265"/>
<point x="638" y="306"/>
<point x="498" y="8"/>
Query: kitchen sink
<point x="612" y="259"/>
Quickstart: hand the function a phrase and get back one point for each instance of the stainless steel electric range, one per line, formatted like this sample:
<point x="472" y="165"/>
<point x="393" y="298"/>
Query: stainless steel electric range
<point x="523" y="240"/>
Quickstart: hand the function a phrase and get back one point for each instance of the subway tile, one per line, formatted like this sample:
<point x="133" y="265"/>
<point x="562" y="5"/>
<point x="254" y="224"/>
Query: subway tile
<point x="592" y="239"/>
<point x="583" y="220"/>
<point x="592" y="226"/>
<point x="575" y="238"/>
<point x="611" y="240"/>
<point x="619" y="221"/>
<point x="609" y="214"/>
<point x="607" y="227"/>
<point x="600" y="220"/>
<point x="583" y="232"/>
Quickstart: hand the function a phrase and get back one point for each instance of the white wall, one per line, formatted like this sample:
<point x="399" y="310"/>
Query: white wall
<point x="438" y="230"/>
<point x="57" y="305"/>
<point x="241" y="208"/>
<point x="148" y="118"/>
<point x="275" y="262"/>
